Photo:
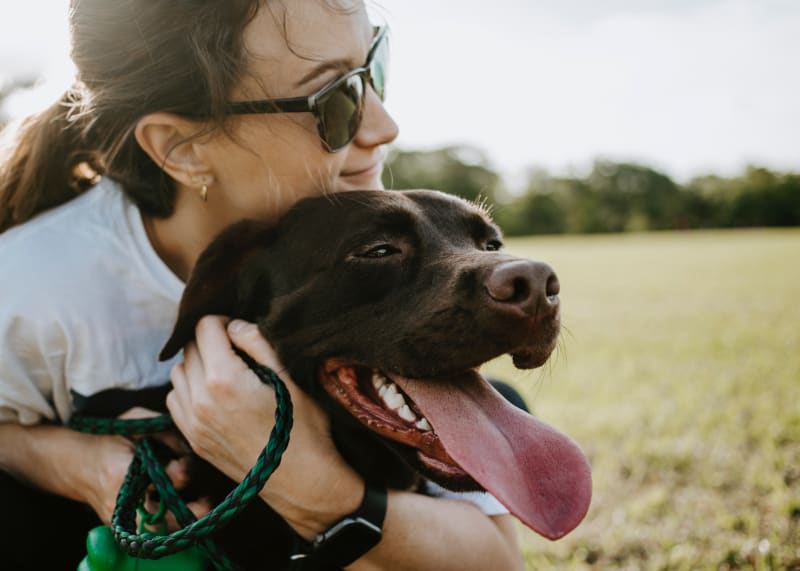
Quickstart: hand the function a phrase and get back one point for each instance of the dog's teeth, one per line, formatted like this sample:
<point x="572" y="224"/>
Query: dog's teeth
<point x="393" y="400"/>
<point x="424" y="425"/>
<point x="383" y="390"/>
<point x="392" y="397"/>
<point x="406" y="413"/>
<point x="378" y="381"/>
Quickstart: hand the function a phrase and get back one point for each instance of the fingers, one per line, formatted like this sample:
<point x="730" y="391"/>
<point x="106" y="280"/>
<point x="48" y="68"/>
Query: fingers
<point x="199" y="508"/>
<point x="138" y="412"/>
<point x="170" y="438"/>
<point x="213" y="344"/>
<point x="226" y="413"/>
<point x="211" y="353"/>
<point x="178" y="472"/>
<point x="247" y="337"/>
<point x="179" y="398"/>
<point x="212" y="358"/>
<point x="219" y="405"/>
<point x="203" y="379"/>
<point x="188" y="412"/>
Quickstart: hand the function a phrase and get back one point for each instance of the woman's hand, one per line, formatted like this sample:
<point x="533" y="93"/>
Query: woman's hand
<point x="107" y="463"/>
<point x="177" y="469"/>
<point x="226" y="413"/>
<point x="110" y="458"/>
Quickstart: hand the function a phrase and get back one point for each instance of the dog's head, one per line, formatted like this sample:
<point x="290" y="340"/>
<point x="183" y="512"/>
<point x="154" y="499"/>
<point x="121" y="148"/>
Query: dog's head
<point x="382" y="305"/>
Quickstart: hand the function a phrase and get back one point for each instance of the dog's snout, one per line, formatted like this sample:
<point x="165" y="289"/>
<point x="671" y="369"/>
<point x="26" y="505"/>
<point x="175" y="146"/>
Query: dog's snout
<point x="524" y="285"/>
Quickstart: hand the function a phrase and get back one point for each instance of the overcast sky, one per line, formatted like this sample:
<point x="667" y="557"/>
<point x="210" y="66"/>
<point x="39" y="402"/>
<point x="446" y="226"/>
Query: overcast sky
<point x="688" y="86"/>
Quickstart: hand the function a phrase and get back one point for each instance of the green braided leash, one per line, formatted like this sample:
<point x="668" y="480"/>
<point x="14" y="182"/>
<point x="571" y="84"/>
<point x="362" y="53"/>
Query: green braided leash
<point x="145" y="469"/>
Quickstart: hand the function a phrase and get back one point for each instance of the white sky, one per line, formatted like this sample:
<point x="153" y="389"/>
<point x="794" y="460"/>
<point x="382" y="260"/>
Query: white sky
<point x="688" y="86"/>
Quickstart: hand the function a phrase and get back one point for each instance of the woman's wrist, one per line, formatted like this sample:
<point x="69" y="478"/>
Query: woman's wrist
<point x="311" y="507"/>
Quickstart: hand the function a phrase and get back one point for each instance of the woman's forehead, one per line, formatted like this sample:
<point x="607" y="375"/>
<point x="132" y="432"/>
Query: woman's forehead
<point x="287" y="41"/>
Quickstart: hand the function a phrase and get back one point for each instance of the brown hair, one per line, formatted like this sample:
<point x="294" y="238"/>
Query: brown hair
<point x="133" y="57"/>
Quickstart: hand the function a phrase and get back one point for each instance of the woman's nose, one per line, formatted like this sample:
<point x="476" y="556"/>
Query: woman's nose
<point x="377" y="126"/>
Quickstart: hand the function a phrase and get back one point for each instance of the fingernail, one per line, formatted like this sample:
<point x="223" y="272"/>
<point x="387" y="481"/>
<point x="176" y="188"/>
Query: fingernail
<point x="236" y="325"/>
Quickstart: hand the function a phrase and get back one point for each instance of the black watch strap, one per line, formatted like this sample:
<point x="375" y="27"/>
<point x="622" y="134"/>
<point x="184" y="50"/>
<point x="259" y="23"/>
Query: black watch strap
<point x="349" y="538"/>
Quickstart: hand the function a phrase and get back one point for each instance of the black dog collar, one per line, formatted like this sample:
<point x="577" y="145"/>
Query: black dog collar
<point x="347" y="539"/>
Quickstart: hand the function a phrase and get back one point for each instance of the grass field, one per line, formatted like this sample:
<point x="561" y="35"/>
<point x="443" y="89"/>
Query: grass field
<point x="679" y="374"/>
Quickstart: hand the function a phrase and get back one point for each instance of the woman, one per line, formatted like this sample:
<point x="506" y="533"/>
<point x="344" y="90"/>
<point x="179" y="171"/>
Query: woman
<point x="91" y="286"/>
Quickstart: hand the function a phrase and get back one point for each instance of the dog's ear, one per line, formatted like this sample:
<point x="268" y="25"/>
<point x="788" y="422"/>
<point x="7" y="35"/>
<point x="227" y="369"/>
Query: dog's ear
<point x="224" y="281"/>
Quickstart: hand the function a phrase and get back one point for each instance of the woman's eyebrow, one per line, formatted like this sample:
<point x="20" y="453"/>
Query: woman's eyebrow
<point x="322" y="67"/>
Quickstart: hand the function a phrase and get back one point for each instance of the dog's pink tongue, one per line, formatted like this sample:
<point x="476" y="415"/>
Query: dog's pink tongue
<point x="539" y="474"/>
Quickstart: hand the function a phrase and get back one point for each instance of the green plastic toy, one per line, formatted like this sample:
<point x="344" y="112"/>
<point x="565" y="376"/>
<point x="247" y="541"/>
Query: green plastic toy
<point x="103" y="554"/>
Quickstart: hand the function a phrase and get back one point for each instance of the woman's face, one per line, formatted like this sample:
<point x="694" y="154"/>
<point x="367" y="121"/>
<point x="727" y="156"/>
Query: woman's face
<point x="271" y="160"/>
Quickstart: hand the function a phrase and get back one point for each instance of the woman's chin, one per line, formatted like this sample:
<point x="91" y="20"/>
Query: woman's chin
<point x="368" y="180"/>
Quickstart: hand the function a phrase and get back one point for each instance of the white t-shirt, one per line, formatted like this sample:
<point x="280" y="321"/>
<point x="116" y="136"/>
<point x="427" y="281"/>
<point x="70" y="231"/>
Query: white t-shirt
<point x="85" y="306"/>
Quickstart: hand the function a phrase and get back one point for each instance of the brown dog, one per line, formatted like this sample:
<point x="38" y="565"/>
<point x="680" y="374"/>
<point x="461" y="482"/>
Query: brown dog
<point x="382" y="305"/>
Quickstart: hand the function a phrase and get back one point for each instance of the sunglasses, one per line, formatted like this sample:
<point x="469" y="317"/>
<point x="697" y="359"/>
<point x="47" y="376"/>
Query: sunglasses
<point x="339" y="106"/>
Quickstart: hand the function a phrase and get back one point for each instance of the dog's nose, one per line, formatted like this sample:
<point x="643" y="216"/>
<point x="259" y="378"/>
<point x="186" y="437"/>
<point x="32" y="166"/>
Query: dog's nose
<point x="525" y="285"/>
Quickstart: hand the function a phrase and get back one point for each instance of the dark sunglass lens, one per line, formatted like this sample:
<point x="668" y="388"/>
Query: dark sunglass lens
<point x="340" y="112"/>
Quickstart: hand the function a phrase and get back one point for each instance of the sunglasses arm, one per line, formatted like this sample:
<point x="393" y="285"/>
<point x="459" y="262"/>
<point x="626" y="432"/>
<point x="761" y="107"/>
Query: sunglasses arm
<point x="290" y="105"/>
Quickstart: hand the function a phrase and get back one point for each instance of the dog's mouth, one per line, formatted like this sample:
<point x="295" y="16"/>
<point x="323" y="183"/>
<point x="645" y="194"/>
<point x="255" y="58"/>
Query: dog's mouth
<point x="375" y="400"/>
<point x="468" y="436"/>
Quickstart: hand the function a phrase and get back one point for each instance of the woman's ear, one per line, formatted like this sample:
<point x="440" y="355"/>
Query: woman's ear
<point x="172" y="143"/>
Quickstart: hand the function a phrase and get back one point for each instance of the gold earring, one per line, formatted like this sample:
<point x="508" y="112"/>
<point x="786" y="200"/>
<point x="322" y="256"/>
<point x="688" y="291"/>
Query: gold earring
<point x="204" y="193"/>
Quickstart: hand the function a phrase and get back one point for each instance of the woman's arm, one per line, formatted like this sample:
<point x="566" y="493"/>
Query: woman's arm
<point x="83" y="467"/>
<point x="86" y="468"/>
<point x="226" y="414"/>
<point x="421" y="532"/>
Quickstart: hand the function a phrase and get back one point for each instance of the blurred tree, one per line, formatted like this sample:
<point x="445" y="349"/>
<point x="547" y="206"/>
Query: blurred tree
<point x="460" y="170"/>
<point x="703" y="201"/>
<point x="759" y="197"/>
<point x="636" y="197"/>
<point x="764" y="198"/>
<point x="613" y="197"/>
<point x="542" y="213"/>
<point x="539" y="210"/>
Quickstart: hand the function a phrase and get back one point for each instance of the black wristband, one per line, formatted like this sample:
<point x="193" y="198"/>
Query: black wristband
<point x="350" y="537"/>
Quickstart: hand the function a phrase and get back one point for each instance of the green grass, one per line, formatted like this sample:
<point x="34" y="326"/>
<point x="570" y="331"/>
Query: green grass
<point x="679" y="375"/>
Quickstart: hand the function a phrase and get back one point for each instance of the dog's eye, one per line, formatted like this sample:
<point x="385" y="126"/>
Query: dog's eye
<point x="493" y="245"/>
<point x="380" y="251"/>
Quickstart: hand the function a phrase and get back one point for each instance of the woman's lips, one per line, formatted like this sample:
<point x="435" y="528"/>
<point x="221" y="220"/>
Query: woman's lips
<point x="370" y="171"/>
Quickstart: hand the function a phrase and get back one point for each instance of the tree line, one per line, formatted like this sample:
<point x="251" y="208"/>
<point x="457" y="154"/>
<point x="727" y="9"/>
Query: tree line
<point x="613" y="197"/>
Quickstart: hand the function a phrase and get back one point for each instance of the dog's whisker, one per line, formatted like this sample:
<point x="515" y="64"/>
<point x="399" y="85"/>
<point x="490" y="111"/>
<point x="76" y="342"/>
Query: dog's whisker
<point x="559" y="352"/>
<point x="483" y="204"/>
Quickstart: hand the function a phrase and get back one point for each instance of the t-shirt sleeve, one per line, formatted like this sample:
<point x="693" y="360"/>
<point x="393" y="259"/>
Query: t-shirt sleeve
<point x="31" y="365"/>
<point x="484" y="501"/>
